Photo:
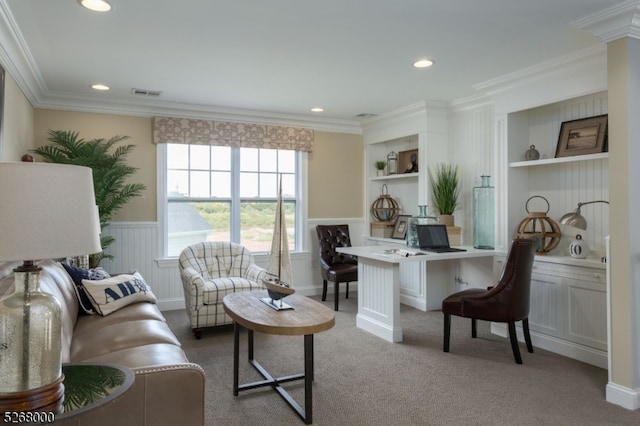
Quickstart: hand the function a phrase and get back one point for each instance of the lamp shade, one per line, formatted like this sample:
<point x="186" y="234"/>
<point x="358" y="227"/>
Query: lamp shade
<point x="47" y="211"/>
<point x="575" y="218"/>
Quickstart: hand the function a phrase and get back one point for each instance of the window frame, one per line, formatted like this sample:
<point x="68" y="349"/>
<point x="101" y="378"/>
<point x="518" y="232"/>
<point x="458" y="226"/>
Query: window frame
<point x="301" y="200"/>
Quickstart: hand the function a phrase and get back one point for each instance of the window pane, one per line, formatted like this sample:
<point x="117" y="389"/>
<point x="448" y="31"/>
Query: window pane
<point x="249" y="185"/>
<point x="221" y="184"/>
<point x="249" y="159"/>
<point x="177" y="156"/>
<point x="199" y="184"/>
<point x="257" y="219"/>
<point x="177" y="183"/>
<point x="220" y="158"/>
<point x="286" y="161"/>
<point x="268" y="160"/>
<point x="288" y="186"/>
<point x="190" y="223"/>
<point x="268" y="185"/>
<point x="199" y="157"/>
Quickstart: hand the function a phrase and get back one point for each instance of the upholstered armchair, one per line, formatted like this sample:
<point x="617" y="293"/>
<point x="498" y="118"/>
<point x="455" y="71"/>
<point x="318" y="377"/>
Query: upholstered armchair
<point x="507" y="301"/>
<point x="211" y="270"/>
<point x="336" y="267"/>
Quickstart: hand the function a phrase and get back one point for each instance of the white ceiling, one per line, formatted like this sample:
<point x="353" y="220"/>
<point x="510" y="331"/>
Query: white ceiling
<point x="281" y="57"/>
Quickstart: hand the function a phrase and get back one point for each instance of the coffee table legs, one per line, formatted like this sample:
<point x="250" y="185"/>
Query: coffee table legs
<point x="275" y="382"/>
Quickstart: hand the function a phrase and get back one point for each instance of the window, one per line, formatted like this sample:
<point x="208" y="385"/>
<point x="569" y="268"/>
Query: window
<point x="228" y="193"/>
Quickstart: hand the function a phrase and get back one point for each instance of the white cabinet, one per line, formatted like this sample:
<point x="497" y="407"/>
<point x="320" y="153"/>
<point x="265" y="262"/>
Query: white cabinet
<point x="568" y="296"/>
<point x="568" y="311"/>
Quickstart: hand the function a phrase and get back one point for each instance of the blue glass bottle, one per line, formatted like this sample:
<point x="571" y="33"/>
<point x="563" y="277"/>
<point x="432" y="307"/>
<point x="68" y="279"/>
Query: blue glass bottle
<point x="483" y="216"/>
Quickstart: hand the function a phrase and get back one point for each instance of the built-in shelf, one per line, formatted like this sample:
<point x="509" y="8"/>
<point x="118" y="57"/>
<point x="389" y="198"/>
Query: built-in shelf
<point x="398" y="176"/>
<point x="559" y="160"/>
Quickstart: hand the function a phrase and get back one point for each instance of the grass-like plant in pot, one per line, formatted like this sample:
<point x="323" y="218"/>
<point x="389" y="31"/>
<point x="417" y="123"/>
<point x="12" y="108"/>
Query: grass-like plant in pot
<point x="445" y="189"/>
<point x="110" y="172"/>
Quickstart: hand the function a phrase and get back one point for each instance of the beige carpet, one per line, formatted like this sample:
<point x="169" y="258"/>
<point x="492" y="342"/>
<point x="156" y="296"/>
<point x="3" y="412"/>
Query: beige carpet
<point x="361" y="379"/>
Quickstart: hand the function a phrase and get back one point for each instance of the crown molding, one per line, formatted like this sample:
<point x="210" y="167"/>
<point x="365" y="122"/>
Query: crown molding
<point x="622" y="20"/>
<point x="593" y="59"/>
<point x="20" y="65"/>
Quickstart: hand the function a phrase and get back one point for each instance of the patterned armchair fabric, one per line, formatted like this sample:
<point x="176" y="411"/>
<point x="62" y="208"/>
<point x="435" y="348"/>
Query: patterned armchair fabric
<point x="211" y="270"/>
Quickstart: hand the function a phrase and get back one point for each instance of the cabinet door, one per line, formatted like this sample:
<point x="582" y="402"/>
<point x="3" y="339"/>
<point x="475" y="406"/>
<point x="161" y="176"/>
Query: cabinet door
<point x="544" y="308"/>
<point x="587" y="312"/>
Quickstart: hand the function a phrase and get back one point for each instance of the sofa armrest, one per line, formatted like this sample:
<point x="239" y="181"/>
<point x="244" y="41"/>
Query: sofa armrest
<point x="163" y="395"/>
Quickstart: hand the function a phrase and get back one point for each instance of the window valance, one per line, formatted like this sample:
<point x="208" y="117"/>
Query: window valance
<point x="223" y="133"/>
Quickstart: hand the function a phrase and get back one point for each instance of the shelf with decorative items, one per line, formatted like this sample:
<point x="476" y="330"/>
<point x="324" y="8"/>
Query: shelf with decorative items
<point x="570" y="138"/>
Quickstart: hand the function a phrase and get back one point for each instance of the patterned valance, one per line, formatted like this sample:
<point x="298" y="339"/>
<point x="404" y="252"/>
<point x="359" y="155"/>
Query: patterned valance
<point x="222" y="133"/>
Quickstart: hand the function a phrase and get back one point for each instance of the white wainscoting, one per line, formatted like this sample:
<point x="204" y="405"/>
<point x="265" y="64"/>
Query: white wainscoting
<point x="137" y="248"/>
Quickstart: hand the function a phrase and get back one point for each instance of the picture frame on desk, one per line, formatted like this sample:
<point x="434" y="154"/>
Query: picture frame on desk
<point x="583" y="136"/>
<point x="400" y="229"/>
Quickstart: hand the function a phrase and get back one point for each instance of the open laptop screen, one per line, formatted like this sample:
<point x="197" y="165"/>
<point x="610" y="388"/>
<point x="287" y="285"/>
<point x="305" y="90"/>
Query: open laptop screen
<point x="432" y="236"/>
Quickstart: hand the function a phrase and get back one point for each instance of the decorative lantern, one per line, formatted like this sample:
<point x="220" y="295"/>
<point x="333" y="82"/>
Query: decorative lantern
<point x="392" y="163"/>
<point x="385" y="208"/>
<point x="541" y="227"/>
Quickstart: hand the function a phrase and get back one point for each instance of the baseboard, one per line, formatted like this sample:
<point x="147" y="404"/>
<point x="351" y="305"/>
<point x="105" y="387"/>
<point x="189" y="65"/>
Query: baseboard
<point x="624" y="397"/>
<point x="171" y="304"/>
<point x="553" y="344"/>
<point x="178" y="303"/>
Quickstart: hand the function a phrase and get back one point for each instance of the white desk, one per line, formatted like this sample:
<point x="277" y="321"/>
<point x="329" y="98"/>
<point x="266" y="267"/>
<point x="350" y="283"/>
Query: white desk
<point x="379" y="284"/>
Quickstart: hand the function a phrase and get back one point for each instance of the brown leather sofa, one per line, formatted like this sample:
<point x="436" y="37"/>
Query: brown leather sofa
<point x="168" y="389"/>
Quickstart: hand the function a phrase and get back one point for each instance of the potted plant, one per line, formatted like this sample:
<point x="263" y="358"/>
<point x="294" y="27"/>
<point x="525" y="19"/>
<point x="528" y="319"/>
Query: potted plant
<point x="380" y="165"/>
<point x="110" y="171"/>
<point x="445" y="189"/>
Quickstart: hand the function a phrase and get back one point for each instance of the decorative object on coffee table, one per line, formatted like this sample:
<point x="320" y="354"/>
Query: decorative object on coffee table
<point x="46" y="211"/>
<point x="278" y="279"/>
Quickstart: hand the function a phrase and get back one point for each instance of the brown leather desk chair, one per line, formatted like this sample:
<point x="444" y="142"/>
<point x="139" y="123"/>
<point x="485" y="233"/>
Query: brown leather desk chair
<point x="508" y="301"/>
<point x="336" y="267"/>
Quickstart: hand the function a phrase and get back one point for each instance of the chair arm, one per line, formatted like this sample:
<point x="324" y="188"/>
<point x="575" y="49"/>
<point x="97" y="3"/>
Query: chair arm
<point x="193" y="284"/>
<point x="255" y="273"/>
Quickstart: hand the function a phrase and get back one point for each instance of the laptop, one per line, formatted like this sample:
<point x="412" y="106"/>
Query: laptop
<point x="434" y="238"/>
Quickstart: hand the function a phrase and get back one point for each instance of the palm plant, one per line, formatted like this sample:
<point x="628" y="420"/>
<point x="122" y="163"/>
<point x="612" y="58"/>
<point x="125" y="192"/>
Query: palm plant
<point x="445" y="189"/>
<point x="110" y="171"/>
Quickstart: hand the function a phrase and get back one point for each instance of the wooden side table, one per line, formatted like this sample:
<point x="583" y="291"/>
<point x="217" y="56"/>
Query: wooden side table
<point x="306" y="318"/>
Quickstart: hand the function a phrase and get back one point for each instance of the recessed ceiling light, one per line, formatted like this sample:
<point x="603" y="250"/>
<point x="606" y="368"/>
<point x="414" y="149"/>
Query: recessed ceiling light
<point x="317" y="109"/>
<point x="100" y="86"/>
<point x="423" y="63"/>
<point x="96" y="5"/>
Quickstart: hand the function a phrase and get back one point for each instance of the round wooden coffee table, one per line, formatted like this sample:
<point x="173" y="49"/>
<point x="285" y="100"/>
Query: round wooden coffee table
<point x="306" y="318"/>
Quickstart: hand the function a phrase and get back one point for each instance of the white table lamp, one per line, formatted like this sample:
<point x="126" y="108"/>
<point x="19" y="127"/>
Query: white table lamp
<point x="47" y="211"/>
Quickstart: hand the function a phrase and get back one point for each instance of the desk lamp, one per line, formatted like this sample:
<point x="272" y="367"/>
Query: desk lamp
<point x="575" y="219"/>
<point x="47" y="211"/>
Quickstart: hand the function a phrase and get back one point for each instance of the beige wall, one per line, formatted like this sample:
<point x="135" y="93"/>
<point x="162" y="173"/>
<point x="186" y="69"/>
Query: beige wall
<point x="94" y="126"/>
<point x="335" y="166"/>
<point x="17" y="123"/>
<point x="335" y="176"/>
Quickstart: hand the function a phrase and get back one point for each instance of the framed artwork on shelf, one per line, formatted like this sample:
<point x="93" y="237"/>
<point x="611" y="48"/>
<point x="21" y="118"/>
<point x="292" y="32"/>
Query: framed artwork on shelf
<point x="408" y="161"/>
<point x="400" y="230"/>
<point x="583" y="136"/>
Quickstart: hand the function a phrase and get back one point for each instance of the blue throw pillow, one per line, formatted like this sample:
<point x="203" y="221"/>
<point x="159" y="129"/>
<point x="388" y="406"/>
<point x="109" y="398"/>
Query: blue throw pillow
<point x="77" y="275"/>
